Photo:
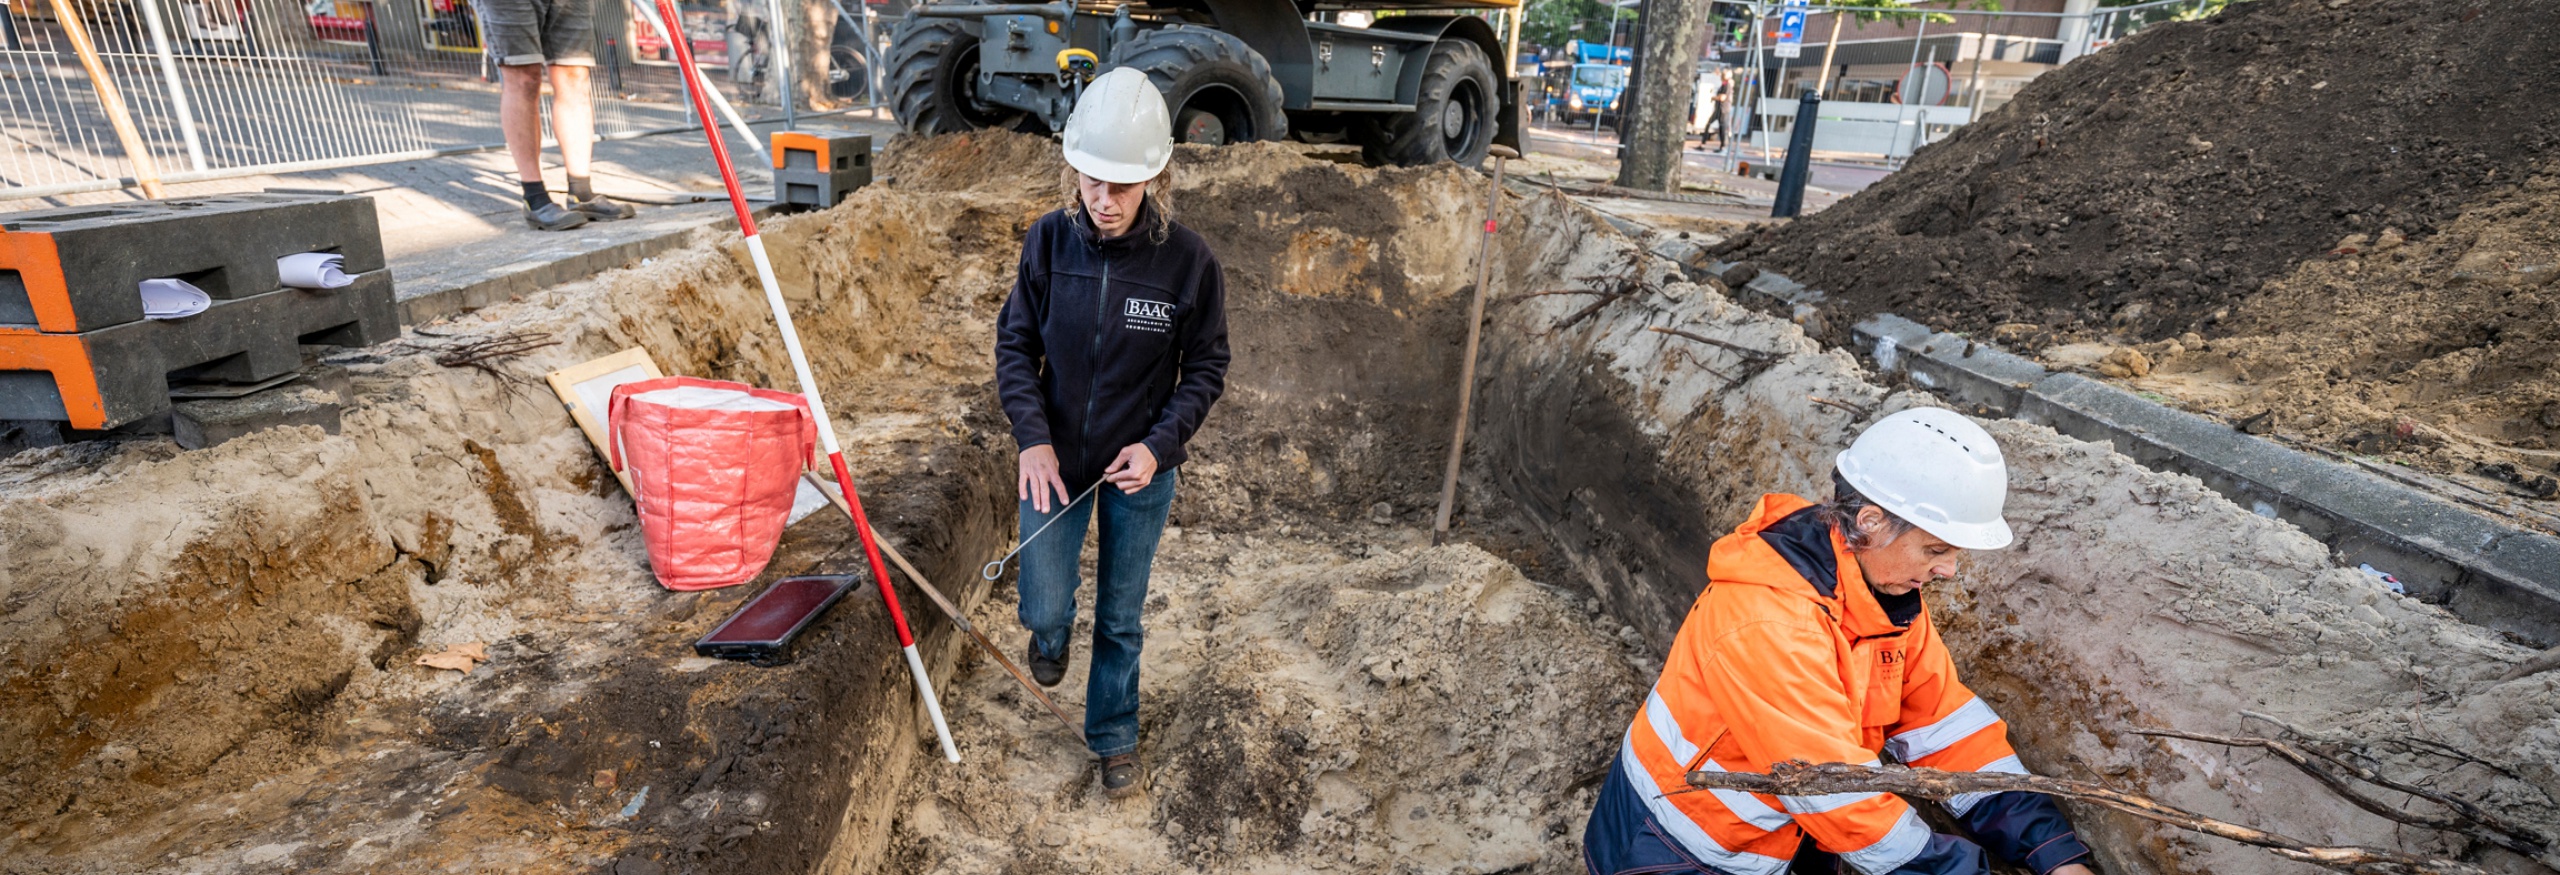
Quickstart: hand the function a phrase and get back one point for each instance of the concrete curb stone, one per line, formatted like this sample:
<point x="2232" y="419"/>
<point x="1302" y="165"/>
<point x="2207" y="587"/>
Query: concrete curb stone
<point x="2488" y="572"/>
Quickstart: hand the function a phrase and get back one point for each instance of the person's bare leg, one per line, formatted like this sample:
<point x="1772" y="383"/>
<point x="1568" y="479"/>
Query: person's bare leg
<point x="573" y="117"/>
<point x="573" y="121"/>
<point x="520" y="117"/>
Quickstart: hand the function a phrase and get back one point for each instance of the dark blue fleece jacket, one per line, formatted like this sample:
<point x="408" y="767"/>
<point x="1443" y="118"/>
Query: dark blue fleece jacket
<point x="1110" y="342"/>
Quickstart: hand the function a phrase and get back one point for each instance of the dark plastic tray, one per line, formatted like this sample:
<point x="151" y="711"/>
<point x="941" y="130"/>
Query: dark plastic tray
<point x="761" y="630"/>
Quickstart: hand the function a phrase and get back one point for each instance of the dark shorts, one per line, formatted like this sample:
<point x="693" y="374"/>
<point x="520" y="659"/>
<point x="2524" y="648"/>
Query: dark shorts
<point x="520" y="32"/>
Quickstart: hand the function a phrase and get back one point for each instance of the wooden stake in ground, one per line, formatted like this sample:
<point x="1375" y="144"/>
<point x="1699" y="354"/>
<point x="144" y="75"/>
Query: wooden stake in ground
<point x="1467" y="370"/>
<point x="145" y="171"/>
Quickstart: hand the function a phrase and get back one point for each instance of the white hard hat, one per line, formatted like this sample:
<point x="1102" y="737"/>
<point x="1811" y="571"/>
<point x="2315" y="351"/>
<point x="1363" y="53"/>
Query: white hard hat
<point x="1120" y="131"/>
<point x="1935" y="469"/>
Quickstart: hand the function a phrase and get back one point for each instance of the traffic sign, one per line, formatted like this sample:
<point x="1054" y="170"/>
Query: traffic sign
<point x="1791" y="29"/>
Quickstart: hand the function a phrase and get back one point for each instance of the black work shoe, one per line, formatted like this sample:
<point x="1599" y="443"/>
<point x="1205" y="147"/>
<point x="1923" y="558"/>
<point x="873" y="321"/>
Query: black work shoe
<point x="552" y="217"/>
<point x="1120" y="774"/>
<point x="603" y="209"/>
<point x="1045" y="670"/>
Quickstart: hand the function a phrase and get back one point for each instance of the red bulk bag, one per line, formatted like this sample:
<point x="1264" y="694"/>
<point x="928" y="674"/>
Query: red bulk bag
<point x="713" y="469"/>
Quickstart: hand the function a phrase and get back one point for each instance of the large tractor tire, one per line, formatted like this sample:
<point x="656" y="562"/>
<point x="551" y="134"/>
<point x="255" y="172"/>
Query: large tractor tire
<point x="1453" y="118"/>
<point x="1220" y="90"/>
<point x="933" y="75"/>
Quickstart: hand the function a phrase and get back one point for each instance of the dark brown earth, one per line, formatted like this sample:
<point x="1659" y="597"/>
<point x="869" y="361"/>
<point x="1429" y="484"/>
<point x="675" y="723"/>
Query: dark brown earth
<point x="2146" y="191"/>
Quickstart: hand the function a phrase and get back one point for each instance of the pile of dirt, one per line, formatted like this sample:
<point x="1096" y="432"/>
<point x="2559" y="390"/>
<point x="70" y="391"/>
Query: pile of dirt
<point x="2437" y="354"/>
<point x="2153" y="188"/>
<point x="1353" y="700"/>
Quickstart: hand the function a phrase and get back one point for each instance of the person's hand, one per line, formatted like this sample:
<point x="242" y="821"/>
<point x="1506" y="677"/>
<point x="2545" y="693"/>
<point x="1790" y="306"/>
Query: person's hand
<point x="2072" y="869"/>
<point x="1133" y="470"/>
<point x="1037" y="478"/>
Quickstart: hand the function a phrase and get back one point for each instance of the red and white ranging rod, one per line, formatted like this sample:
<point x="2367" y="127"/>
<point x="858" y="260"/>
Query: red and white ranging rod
<point x="695" y="88"/>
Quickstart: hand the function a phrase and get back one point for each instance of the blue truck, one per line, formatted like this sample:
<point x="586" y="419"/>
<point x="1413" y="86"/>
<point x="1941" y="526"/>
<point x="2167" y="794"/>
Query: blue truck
<point x="1591" y="89"/>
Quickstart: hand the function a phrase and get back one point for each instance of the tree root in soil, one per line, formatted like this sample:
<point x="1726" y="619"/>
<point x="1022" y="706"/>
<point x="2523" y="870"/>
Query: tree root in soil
<point x="2334" y="771"/>
<point x="1800" y="779"/>
<point x="1610" y="287"/>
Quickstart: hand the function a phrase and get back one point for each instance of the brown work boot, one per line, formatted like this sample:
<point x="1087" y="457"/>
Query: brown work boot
<point x="1121" y="775"/>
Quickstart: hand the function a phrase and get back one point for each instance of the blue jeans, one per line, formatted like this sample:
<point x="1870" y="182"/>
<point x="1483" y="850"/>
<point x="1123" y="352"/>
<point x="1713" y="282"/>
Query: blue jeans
<point x="1131" y="523"/>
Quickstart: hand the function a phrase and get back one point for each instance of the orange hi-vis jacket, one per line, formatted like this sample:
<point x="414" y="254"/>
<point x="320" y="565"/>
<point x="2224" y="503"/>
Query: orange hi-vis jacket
<point x="1789" y="655"/>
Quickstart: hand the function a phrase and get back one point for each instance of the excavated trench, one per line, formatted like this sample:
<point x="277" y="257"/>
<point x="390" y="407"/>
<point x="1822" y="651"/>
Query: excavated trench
<point x="206" y="657"/>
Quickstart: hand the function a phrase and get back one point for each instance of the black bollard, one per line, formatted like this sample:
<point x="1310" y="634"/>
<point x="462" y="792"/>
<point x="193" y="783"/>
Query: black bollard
<point x="1790" y="198"/>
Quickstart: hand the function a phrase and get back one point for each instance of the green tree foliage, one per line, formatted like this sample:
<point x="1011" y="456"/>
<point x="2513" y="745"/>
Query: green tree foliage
<point x="1552" y="23"/>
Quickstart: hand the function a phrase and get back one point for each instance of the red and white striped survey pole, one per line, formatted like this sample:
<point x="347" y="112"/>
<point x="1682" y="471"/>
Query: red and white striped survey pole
<point x="694" y="87"/>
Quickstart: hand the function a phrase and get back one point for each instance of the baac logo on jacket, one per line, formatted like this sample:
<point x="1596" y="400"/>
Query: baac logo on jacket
<point x="1156" y="316"/>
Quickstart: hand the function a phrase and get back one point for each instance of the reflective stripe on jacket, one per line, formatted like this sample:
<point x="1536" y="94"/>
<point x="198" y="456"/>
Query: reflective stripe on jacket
<point x="1789" y="655"/>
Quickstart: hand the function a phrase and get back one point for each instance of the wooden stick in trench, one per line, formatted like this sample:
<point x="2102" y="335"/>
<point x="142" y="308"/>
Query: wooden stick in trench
<point x="1467" y="371"/>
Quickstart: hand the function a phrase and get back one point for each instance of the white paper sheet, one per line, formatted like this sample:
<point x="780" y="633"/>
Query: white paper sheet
<point x="314" y="270"/>
<point x="172" y="299"/>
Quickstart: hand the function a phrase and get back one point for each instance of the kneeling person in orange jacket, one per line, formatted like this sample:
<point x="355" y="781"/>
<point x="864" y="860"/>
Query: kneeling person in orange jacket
<point x="1812" y="643"/>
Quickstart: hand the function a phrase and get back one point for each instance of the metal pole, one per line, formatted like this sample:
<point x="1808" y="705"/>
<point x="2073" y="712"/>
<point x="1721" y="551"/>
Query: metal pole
<point x="145" y="170"/>
<point x="1467" y="366"/>
<point x="169" y="74"/>
<point x="1760" y="76"/>
<point x="1907" y="73"/>
<point x="372" y="40"/>
<point x="870" y="55"/>
<point x="780" y="33"/>
<point x="1790" y="199"/>
<point x="1613" y="60"/>
<point x="689" y="74"/>
<point x="1973" y="83"/>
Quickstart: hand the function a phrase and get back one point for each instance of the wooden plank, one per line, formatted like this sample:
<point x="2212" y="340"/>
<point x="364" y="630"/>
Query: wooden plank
<point x="585" y="388"/>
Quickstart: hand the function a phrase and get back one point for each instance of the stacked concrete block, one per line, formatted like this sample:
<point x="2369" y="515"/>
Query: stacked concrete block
<point x="75" y="348"/>
<point x="816" y="169"/>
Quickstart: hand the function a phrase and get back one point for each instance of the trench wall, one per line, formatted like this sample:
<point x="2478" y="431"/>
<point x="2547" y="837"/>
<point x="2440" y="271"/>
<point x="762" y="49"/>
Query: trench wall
<point x="177" y="627"/>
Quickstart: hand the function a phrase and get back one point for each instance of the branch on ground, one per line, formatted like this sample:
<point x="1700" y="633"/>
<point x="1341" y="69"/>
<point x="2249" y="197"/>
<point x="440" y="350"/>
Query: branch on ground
<point x="1744" y="351"/>
<point x="1799" y="779"/>
<point x="2333" y="770"/>
<point x="2542" y="662"/>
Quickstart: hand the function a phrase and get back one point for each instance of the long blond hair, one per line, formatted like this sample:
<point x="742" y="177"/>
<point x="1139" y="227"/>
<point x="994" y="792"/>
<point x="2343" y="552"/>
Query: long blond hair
<point x="1159" y="198"/>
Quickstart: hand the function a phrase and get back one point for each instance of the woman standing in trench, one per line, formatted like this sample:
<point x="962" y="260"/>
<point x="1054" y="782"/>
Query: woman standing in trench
<point x="1109" y="353"/>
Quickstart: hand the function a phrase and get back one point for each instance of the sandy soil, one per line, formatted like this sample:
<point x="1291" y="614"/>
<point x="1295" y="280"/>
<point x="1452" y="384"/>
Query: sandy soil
<point x="1349" y="700"/>
<point x="2437" y="354"/>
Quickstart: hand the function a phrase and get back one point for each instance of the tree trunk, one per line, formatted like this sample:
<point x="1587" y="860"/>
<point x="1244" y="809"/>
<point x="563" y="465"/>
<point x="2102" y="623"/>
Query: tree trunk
<point x="812" y="25"/>
<point x="1656" y="116"/>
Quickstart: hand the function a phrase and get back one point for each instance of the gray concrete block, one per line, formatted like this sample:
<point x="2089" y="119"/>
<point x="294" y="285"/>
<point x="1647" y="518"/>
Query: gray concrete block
<point x="819" y="168"/>
<point x="105" y="378"/>
<point x="2490" y="573"/>
<point x="1976" y="376"/>
<point x="200" y="424"/>
<point x="78" y="269"/>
